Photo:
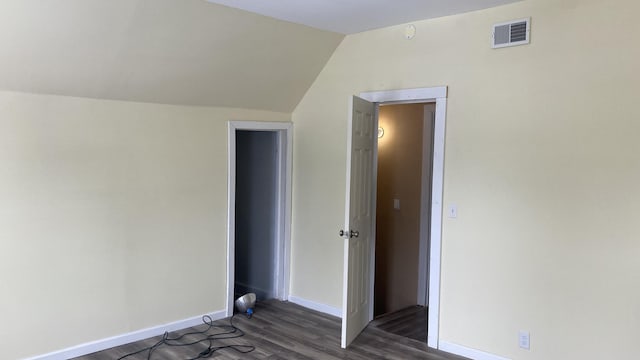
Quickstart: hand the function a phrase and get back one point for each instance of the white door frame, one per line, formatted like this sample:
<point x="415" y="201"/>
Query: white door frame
<point x="428" y="123"/>
<point x="439" y="96"/>
<point x="283" y="196"/>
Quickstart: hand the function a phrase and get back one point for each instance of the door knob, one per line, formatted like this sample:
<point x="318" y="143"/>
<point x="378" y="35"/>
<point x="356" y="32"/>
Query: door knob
<point x="351" y="233"/>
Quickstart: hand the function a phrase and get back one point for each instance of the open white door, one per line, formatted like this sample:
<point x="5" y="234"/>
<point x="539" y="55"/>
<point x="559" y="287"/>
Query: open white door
<point x="358" y="233"/>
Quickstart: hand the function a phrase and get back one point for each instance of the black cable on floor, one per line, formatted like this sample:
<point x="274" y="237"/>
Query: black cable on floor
<point x="230" y="332"/>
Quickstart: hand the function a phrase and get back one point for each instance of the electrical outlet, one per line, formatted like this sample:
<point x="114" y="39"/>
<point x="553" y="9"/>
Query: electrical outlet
<point x="524" y="340"/>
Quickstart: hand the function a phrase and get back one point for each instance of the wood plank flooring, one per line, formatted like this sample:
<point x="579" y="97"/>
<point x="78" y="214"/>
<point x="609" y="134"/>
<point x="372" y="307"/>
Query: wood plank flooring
<point x="282" y="330"/>
<point x="410" y="322"/>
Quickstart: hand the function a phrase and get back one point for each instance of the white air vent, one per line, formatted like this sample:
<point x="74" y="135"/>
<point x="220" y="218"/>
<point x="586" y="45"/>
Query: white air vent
<point x="511" y="33"/>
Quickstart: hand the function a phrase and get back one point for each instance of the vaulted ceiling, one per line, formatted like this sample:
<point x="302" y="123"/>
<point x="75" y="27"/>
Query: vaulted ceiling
<point x="187" y="52"/>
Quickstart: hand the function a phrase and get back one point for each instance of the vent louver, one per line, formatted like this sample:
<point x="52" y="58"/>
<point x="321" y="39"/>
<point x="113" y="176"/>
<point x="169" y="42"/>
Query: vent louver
<point x="511" y="33"/>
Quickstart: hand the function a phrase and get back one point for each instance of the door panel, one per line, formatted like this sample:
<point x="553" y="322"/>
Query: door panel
<point x="359" y="210"/>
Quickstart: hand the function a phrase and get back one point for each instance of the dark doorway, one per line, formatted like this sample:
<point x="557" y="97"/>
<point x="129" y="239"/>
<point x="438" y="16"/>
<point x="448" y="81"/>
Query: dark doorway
<point x="256" y="213"/>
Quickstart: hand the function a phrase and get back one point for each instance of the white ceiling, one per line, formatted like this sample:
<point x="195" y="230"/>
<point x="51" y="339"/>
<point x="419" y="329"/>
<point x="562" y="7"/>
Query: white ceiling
<point x="353" y="16"/>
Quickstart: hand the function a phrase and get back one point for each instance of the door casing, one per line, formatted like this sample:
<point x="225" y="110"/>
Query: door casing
<point x="428" y="123"/>
<point x="437" y="95"/>
<point x="283" y="211"/>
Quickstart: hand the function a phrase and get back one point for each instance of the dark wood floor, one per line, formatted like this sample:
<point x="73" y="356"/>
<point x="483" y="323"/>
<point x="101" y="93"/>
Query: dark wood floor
<point x="281" y="330"/>
<point x="410" y="322"/>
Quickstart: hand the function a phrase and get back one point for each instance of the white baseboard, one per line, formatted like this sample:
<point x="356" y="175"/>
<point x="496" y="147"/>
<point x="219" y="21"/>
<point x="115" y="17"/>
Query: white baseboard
<point x="316" y="306"/>
<point x="118" y="340"/>
<point x="468" y="352"/>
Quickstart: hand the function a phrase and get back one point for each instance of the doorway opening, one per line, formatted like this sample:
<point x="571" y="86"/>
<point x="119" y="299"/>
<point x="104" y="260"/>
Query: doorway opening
<point x="256" y="214"/>
<point x="404" y="178"/>
<point x="259" y="210"/>
<point x="360" y="228"/>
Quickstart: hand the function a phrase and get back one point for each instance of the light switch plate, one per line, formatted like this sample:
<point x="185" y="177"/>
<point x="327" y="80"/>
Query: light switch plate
<point x="453" y="211"/>
<point x="396" y="204"/>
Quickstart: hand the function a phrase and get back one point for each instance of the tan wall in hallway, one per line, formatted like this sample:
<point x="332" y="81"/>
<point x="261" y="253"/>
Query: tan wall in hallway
<point x="398" y="230"/>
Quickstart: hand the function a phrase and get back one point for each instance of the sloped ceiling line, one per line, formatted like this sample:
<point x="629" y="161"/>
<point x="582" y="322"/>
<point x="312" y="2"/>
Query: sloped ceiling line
<point x="188" y="52"/>
<point x="185" y="52"/>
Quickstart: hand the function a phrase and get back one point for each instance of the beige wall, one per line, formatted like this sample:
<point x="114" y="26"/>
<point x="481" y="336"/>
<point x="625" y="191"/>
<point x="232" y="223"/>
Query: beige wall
<point x="187" y="52"/>
<point x="112" y="217"/>
<point x="541" y="158"/>
<point x="398" y="230"/>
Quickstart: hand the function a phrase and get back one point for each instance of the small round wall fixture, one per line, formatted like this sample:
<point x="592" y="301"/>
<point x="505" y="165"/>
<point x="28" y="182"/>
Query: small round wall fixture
<point x="380" y="132"/>
<point x="410" y="32"/>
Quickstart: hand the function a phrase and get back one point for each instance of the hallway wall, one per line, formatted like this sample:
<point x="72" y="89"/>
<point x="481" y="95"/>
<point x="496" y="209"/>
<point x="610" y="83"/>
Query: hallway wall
<point x="398" y="230"/>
